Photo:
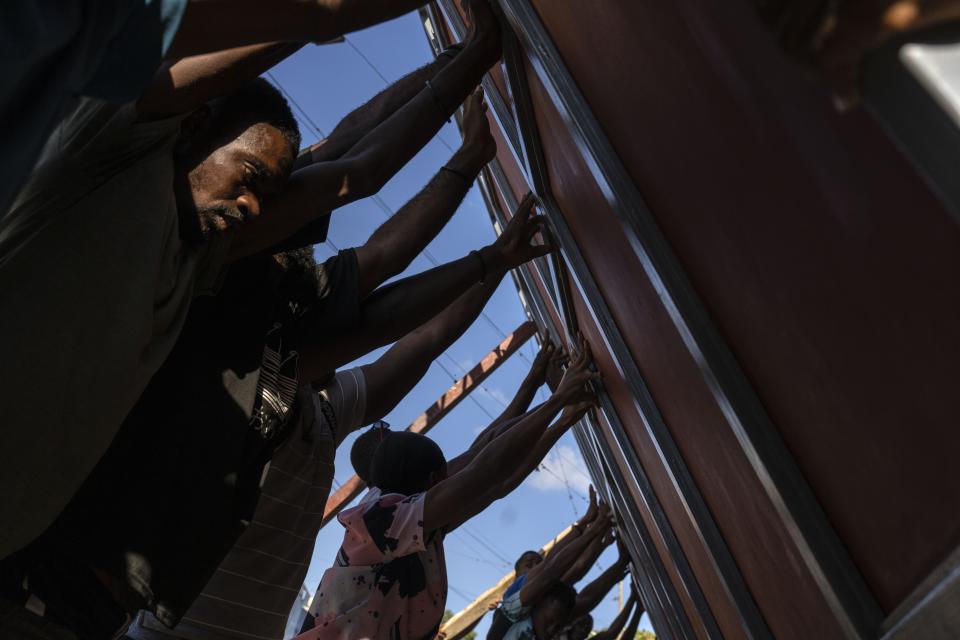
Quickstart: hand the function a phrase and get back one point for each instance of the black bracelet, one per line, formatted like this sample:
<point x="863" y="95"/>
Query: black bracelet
<point x="460" y="174"/>
<point x="483" y="265"/>
<point x="436" y="99"/>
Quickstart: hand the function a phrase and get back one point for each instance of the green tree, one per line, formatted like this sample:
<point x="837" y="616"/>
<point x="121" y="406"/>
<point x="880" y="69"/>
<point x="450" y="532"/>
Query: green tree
<point x="645" y="635"/>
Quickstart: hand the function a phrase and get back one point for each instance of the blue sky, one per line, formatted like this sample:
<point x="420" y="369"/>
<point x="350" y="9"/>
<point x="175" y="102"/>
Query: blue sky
<point x="327" y="82"/>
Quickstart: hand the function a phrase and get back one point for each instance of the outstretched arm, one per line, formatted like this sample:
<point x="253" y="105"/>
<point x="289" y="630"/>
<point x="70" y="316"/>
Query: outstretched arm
<point x="390" y="378"/>
<point x="365" y="118"/>
<point x="611" y="632"/>
<point x="215" y="25"/>
<point x="591" y="595"/>
<point x="354" y="126"/>
<point x="187" y="84"/>
<point x="395" y="244"/>
<point x="394" y="310"/>
<point x="211" y="56"/>
<point x="181" y="86"/>
<point x="544" y="575"/>
<point x="578" y="527"/>
<point x="584" y="563"/>
<point x="470" y="491"/>
<point x="577" y="406"/>
<point x="493" y="431"/>
<point x="514" y="412"/>
<point x="366" y="167"/>
<point x="534" y="379"/>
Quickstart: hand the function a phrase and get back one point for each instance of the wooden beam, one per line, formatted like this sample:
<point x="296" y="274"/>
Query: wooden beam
<point x="436" y="412"/>
<point x="476" y="609"/>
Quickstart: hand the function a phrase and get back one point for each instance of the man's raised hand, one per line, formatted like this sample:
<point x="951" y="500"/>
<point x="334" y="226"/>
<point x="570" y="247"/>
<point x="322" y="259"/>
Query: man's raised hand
<point x="592" y="510"/>
<point x="477" y="139"/>
<point x="515" y="245"/>
<point x="541" y="364"/>
<point x="558" y="361"/>
<point x="573" y="386"/>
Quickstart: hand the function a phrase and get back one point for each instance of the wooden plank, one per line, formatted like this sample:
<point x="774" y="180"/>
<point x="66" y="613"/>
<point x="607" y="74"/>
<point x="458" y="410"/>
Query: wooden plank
<point x="439" y="409"/>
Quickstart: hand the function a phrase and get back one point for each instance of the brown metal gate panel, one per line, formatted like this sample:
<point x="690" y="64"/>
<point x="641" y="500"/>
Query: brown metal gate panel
<point x="825" y="261"/>
<point x="771" y="291"/>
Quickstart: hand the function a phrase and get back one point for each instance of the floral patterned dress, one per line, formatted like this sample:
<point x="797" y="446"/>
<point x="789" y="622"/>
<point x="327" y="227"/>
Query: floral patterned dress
<point x="388" y="582"/>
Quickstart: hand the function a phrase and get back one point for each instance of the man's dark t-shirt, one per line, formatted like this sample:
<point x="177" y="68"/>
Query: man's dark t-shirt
<point x="181" y="479"/>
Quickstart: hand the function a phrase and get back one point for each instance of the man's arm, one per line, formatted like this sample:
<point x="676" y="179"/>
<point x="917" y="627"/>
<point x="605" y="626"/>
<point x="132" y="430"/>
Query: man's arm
<point x="215" y="25"/>
<point x="534" y="379"/>
<point x="514" y="412"/>
<point x="181" y="86"/>
<point x="542" y="577"/>
<point x="362" y="120"/>
<point x="391" y="377"/>
<point x="611" y="632"/>
<point x="576" y="407"/>
<point x="488" y="435"/>
<point x="583" y="564"/>
<point x="460" y="497"/>
<point x="593" y="511"/>
<point x="366" y="167"/>
<point x="394" y="245"/>
<point x="394" y="310"/>
<point x="354" y="126"/>
<point x="591" y="595"/>
<point x="184" y="85"/>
